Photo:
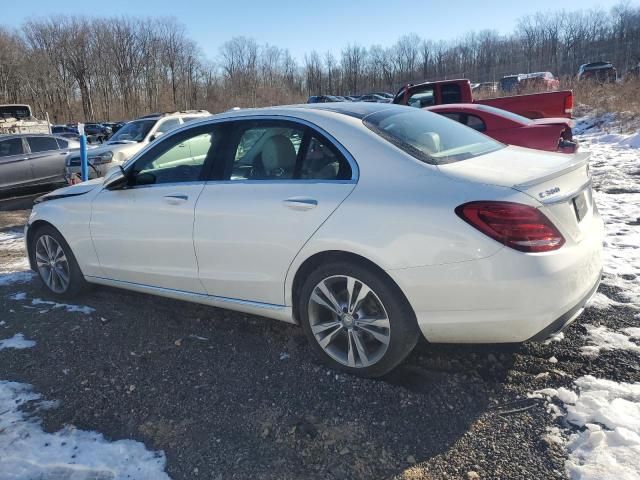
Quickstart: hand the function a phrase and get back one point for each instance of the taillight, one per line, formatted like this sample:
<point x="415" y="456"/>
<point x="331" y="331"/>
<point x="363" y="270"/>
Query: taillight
<point x="568" y="103"/>
<point x="518" y="226"/>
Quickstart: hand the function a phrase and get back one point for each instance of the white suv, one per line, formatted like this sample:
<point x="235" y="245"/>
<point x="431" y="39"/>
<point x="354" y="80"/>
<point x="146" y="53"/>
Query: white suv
<point x="129" y="140"/>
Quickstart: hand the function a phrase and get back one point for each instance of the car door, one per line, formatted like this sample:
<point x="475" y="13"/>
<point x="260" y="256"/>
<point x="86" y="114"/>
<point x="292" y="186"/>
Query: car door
<point x="143" y="232"/>
<point x="14" y="165"/>
<point x="282" y="181"/>
<point x="46" y="159"/>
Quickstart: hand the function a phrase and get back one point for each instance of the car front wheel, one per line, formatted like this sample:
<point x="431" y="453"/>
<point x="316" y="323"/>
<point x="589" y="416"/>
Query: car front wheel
<point x="356" y="319"/>
<point x="56" y="264"/>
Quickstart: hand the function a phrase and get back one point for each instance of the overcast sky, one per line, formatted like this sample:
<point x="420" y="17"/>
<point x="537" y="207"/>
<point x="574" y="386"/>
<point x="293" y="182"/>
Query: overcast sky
<point x="302" y="26"/>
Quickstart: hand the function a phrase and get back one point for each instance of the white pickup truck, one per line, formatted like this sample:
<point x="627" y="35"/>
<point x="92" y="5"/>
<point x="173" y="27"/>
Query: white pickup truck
<point x="18" y="118"/>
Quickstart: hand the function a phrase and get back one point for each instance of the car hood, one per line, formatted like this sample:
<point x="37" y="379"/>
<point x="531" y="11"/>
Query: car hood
<point x="121" y="151"/>
<point x="72" y="190"/>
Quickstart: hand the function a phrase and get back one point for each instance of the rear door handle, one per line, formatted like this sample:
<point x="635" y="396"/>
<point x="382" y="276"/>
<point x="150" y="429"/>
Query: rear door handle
<point x="300" y="203"/>
<point x="175" y="199"/>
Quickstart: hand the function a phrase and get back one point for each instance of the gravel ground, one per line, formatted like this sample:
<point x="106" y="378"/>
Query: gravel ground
<point x="228" y="395"/>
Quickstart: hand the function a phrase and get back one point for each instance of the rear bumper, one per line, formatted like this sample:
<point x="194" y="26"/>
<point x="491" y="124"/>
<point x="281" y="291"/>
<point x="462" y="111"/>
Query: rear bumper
<point x="509" y="297"/>
<point x="567" y="319"/>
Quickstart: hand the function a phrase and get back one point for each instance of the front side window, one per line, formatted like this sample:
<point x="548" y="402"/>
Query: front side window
<point x="475" y="122"/>
<point x="12" y="146"/>
<point x="423" y="98"/>
<point x="180" y="158"/>
<point x="42" y="144"/>
<point x="429" y="137"/>
<point x="453" y="116"/>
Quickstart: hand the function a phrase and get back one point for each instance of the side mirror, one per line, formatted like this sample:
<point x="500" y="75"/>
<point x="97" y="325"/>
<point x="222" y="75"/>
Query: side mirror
<point x="115" y="178"/>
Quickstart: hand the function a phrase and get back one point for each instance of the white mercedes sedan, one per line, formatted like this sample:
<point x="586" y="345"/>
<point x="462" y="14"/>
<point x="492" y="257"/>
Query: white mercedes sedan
<point x="368" y="224"/>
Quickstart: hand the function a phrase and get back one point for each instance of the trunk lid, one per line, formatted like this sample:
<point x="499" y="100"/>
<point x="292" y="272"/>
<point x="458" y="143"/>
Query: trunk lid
<point x="560" y="182"/>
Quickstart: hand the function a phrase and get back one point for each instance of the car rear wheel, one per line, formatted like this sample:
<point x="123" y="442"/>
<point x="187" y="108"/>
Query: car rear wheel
<point x="56" y="264"/>
<point x="356" y="320"/>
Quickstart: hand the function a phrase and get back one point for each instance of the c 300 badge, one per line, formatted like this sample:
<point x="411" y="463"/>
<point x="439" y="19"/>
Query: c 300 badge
<point x="548" y="193"/>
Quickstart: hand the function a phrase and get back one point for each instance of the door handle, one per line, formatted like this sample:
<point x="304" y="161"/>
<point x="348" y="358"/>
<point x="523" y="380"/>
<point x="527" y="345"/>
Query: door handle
<point x="175" y="199"/>
<point x="300" y="203"/>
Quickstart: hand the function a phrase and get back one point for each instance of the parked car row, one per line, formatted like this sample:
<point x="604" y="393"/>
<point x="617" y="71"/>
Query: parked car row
<point x="379" y="97"/>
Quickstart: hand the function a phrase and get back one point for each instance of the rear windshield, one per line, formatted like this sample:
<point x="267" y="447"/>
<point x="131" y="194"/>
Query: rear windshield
<point x="430" y="138"/>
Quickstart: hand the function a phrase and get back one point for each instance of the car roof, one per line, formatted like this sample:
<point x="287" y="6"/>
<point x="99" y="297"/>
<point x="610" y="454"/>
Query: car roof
<point x="350" y="109"/>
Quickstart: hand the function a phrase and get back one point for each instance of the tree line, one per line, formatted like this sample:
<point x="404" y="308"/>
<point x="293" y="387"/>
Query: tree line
<point x="78" y="68"/>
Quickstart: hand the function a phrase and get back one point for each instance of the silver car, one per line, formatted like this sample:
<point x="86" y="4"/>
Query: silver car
<point x="33" y="159"/>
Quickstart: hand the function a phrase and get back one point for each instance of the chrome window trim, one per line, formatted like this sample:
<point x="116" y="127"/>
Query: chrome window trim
<point x="355" y="170"/>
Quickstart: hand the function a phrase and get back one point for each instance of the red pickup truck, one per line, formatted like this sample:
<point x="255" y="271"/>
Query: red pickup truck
<point x="535" y="105"/>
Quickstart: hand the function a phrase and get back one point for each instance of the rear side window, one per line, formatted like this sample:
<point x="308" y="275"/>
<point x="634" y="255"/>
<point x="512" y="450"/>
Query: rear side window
<point x="168" y="125"/>
<point x="422" y="98"/>
<point x="12" y="146"/>
<point x="62" y="143"/>
<point x="42" y="144"/>
<point x="321" y="161"/>
<point x="267" y="151"/>
<point x="429" y="137"/>
<point x="284" y="150"/>
<point x="451" y="93"/>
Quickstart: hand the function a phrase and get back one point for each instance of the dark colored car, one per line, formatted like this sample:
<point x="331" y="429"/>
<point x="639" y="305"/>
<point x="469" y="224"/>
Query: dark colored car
<point x="65" y="131"/>
<point x="97" y="131"/>
<point x="323" y="99"/>
<point x="509" y="83"/>
<point x="374" y="97"/>
<point x="602" y="72"/>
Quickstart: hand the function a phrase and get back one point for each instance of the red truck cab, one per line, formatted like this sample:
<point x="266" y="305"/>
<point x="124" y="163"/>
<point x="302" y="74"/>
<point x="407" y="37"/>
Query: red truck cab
<point x="534" y="105"/>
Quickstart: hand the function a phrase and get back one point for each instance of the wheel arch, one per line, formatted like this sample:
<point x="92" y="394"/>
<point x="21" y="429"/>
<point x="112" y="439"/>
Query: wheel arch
<point x="319" y="258"/>
<point x="33" y="228"/>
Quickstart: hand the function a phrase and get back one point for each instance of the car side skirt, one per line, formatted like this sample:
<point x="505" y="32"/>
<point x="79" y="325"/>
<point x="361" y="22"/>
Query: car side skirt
<point x="277" y="312"/>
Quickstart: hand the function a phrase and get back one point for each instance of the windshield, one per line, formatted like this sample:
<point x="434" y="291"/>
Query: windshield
<point x="133" y="131"/>
<point x="504" y="113"/>
<point x="15" y="111"/>
<point x="430" y="138"/>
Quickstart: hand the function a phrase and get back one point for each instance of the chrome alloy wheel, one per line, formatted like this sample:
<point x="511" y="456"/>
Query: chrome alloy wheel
<point x="349" y="321"/>
<point x="52" y="264"/>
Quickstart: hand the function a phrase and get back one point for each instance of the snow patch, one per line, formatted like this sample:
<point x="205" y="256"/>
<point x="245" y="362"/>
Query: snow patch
<point x="68" y="307"/>
<point x="16" y="271"/>
<point x="52" y="305"/>
<point x="607" y="447"/>
<point x="614" y="169"/>
<point x="602" y="338"/>
<point x="17" y="341"/>
<point x="29" y="452"/>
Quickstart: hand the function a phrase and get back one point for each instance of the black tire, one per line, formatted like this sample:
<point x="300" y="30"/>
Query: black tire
<point x="77" y="283"/>
<point x="404" y="331"/>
